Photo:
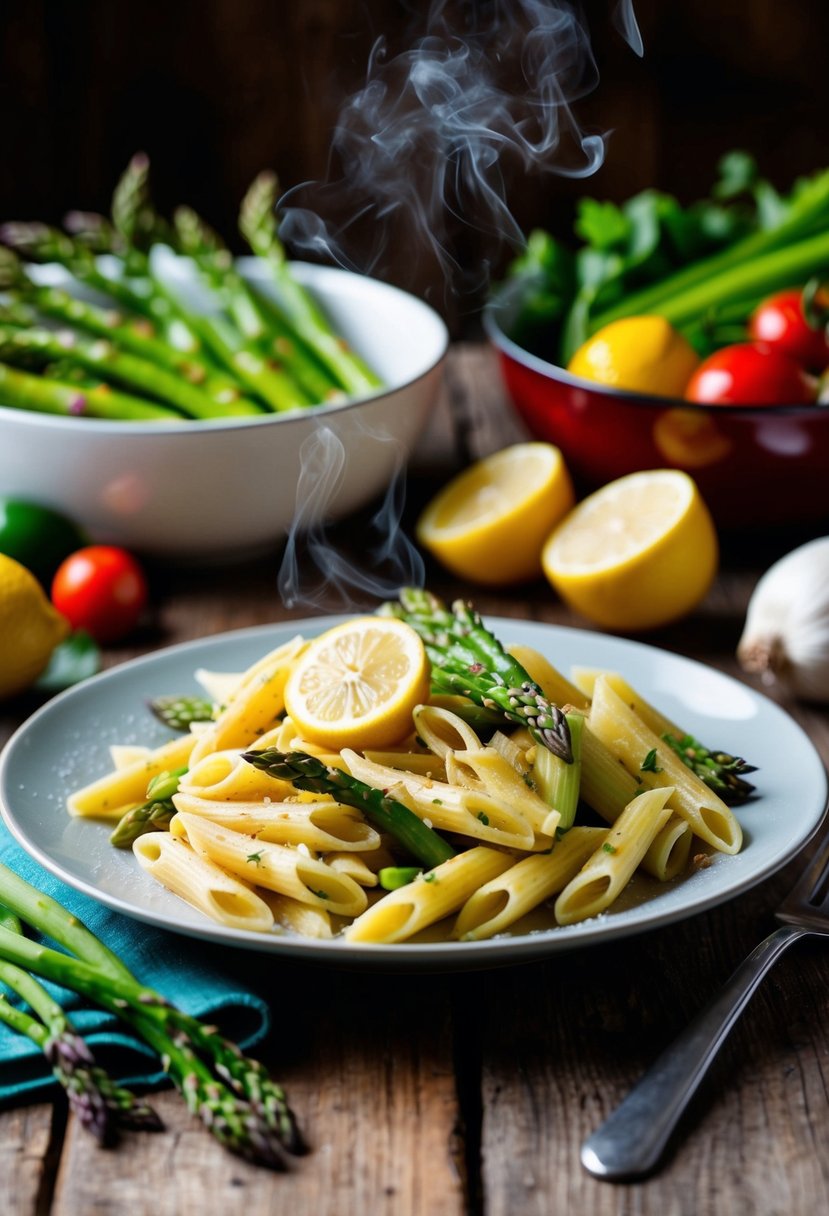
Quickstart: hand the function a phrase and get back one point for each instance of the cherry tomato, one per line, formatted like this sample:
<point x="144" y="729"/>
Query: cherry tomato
<point x="101" y="589"/>
<point x="779" y="322"/>
<point x="36" y="536"/>
<point x="750" y="374"/>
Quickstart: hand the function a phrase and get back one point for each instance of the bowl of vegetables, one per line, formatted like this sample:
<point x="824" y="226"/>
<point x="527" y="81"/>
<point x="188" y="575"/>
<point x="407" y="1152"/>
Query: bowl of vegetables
<point x="179" y="401"/>
<point x="687" y="337"/>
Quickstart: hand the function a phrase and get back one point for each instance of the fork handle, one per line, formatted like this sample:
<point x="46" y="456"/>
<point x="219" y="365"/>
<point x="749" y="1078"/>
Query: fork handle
<point x="630" y="1142"/>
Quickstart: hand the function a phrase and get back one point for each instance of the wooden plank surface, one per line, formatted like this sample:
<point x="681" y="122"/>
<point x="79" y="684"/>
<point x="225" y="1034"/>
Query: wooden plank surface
<point x="471" y="1094"/>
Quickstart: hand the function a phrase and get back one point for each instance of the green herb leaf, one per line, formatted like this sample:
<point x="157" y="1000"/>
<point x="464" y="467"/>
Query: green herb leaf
<point x="649" y="764"/>
<point x="609" y="848"/>
<point x="73" y="660"/>
<point x="484" y="818"/>
<point x="256" y="859"/>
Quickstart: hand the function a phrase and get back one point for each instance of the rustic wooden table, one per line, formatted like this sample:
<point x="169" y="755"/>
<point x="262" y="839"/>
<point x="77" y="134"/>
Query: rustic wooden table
<point x="436" y="1095"/>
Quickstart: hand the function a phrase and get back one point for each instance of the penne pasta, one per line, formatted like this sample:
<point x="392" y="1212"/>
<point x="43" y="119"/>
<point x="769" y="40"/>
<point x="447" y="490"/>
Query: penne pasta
<point x="322" y="826"/>
<point x="610" y="868"/>
<point x="110" y="796"/>
<point x="256" y="704"/>
<point x="450" y="808"/>
<point x="226" y="777"/>
<point x="487" y="770"/>
<point x="123" y="755"/>
<point x="403" y="913"/>
<point x="298" y="918"/>
<point x="201" y="883"/>
<point x="556" y="687"/>
<point x="275" y="866"/>
<point x="443" y="731"/>
<point x="505" y="899"/>
<point x="616" y="725"/>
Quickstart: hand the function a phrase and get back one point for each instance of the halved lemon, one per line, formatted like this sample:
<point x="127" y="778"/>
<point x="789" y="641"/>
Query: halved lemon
<point x="490" y="522"/>
<point x="640" y="552"/>
<point x="357" y="684"/>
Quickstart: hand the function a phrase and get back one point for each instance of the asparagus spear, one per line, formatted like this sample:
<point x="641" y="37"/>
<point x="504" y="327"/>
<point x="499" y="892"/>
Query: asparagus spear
<point x="106" y="360"/>
<point x="99" y="1103"/>
<point x="466" y="659"/>
<point x="21" y="390"/>
<point x="154" y="815"/>
<point x="309" y="773"/>
<point x="257" y="223"/>
<point x="232" y="1094"/>
<point x="722" y="773"/>
<point x="179" y="712"/>
<point x="134" y="334"/>
<point x="268" y="329"/>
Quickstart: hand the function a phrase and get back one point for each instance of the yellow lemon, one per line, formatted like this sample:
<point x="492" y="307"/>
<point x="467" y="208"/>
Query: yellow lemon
<point x="638" y="553"/>
<point x="357" y="684"/>
<point x="638" y="354"/>
<point x="30" y="628"/>
<point x="490" y="522"/>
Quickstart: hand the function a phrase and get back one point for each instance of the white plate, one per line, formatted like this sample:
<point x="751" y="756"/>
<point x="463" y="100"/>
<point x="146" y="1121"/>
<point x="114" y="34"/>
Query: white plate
<point x="65" y="745"/>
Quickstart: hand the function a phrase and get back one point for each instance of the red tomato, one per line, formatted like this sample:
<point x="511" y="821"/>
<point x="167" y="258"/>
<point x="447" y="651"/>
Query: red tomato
<point x="101" y="589"/>
<point x="750" y="374"/>
<point x="779" y="322"/>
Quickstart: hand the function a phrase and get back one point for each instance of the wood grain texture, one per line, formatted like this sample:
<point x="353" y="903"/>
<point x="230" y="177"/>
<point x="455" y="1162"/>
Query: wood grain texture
<point x="471" y="1095"/>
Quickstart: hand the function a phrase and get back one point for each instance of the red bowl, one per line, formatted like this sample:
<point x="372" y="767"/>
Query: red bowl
<point x="762" y="465"/>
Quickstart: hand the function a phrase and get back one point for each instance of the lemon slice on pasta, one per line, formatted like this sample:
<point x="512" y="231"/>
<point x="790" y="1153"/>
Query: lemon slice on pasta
<point x="357" y="685"/>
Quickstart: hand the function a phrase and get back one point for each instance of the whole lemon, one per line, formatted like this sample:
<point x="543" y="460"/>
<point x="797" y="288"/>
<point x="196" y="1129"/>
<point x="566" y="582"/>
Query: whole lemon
<point x="30" y="627"/>
<point x="638" y="354"/>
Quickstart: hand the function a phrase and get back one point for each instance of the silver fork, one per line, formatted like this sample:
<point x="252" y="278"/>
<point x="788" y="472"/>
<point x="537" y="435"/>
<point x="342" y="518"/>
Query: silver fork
<point x="630" y="1143"/>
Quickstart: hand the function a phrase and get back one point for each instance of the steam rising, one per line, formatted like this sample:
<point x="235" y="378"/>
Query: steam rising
<point x="424" y="150"/>
<point x="431" y="138"/>
<point x="394" y="560"/>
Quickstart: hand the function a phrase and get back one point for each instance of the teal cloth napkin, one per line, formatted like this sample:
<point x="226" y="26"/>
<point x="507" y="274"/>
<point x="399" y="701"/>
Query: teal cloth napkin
<point x="182" y="969"/>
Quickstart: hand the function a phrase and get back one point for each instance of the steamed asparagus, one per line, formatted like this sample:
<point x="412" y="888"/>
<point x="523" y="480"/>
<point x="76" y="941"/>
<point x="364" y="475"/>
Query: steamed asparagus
<point x="468" y="660"/>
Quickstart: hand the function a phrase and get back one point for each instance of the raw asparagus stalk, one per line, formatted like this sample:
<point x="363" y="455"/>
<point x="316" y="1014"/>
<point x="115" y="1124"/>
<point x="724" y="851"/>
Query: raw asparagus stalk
<point x="154" y="815"/>
<point x="309" y="773"/>
<point x="258" y="225"/>
<point x="135" y="335"/>
<point x="233" y="1095"/>
<point x="99" y="1103"/>
<point x="106" y="360"/>
<point x="21" y="390"/>
<point x="468" y="660"/>
<point x="268" y="328"/>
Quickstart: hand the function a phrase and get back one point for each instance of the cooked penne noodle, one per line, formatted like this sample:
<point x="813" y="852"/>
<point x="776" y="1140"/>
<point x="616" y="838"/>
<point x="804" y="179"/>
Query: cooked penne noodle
<point x="275" y="866"/>
<point x="608" y="787"/>
<point x="556" y="687"/>
<point x="201" y="883"/>
<point x="256" y="704"/>
<point x="123" y="755"/>
<point x="485" y="769"/>
<point x="610" y="868"/>
<point x="322" y="826"/>
<point x="449" y="808"/>
<point x="298" y="918"/>
<point x="110" y="796"/>
<point x="631" y="741"/>
<point x="425" y="764"/>
<point x="403" y="913"/>
<point x="220" y="686"/>
<point x="668" y="855"/>
<point x="443" y="731"/>
<point x="355" y="866"/>
<point x="226" y="777"/>
<point x="586" y="678"/>
<point x="526" y="884"/>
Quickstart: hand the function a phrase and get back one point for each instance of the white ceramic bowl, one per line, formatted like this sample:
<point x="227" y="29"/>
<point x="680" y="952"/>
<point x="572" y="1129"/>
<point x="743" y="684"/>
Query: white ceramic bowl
<point x="212" y="489"/>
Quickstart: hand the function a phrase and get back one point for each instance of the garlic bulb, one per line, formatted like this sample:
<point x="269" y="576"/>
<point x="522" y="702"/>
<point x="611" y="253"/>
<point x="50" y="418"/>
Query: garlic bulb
<point x="786" y="633"/>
